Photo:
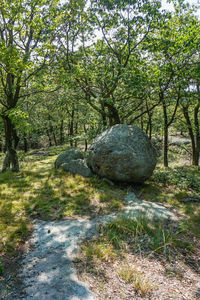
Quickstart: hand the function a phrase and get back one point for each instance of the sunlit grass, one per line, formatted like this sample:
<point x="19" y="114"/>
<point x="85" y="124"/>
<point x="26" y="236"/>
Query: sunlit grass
<point x="40" y="191"/>
<point x="132" y="276"/>
<point x="172" y="186"/>
<point x="103" y="251"/>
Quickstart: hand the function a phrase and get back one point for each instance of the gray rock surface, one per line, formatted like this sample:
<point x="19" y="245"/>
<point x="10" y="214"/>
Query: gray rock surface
<point x="179" y="140"/>
<point x="67" y="156"/>
<point x="122" y="153"/>
<point x="77" y="166"/>
<point x="151" y="210"/>
<point x="47" y="270"/>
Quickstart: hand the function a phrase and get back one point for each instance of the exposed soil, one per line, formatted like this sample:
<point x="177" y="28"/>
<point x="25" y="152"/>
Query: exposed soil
<point x="163" y="280"/>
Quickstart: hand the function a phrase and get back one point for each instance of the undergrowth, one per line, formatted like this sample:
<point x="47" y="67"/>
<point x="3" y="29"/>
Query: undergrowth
<point x="138" y="235"/>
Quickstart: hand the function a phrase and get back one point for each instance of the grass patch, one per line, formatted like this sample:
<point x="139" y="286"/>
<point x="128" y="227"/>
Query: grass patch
<point x="174" y="184"/>
<point x="39" y="191"/>
<point x="146" y="235"/>
<point x="99" y="251"/>
<point x="132" y="276"/>
<point x="138" y="236"/>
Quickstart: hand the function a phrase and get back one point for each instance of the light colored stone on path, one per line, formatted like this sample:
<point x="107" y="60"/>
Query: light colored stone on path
<point x="47" y="270"/>
<point x="151" y="210"/>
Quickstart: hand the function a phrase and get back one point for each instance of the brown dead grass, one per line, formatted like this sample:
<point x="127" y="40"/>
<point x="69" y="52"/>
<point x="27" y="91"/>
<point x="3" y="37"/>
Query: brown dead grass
<point x="155" y="279"/>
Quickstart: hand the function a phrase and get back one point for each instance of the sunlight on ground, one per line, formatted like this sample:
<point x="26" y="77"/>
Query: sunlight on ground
<point x="40" y="191"/>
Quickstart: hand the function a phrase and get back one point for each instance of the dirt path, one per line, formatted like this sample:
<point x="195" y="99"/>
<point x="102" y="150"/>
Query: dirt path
<point x="46" y="271"/>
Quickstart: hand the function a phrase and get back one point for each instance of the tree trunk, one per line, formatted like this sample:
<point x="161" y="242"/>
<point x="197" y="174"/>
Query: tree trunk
<point x="85" y="140"/>
<point x="165" y="145"/>
<point x="61" y="133"/>
<point x="71" y="128"/>
<point x="103" y="115"/>
<point x="54" y="136"/>
<point x="49" y="137"/>
<point x="141" y="119"/>
<point x="76" y="132"/>
<point x="11" y="159"/>
<point x="113" y="115"/>
<point x="197" y="129"/>
<point x="25" y="144"/>
<point x="149" y="126"/>
<point x="195" y="152"/>
<point x="51" y="130"/>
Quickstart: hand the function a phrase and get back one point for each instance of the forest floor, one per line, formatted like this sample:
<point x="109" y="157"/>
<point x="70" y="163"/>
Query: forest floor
<point x="127" y="260"/>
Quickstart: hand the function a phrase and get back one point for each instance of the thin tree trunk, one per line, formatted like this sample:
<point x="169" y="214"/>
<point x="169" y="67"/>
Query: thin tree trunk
<point x="197" y="129"/>
<point x="191" y="133"/>
<point x="61" y="132"/>
<point x="11" y="159"/>
<point x="71" y="128"/>
<point x="49" y="137"/>
<point x="167" y="123"/>
<point x="197" y="137"/>
<point x="25" y="143"/>
<point x="141" y="119"/>
<point x="51" y="130"/>
<point x="54" y="136"/>
<point x="103" y="114"/>
<point x="113" y="114"/>
<point x="165" y="145"/>
<point x="76" y="132"/>
<point x="85" y="140"/>
<point x="150" y="126"/>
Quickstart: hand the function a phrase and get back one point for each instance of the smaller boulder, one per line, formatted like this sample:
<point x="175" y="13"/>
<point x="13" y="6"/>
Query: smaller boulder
<point x="67" y="156"/>
<point x="77" y="166"/>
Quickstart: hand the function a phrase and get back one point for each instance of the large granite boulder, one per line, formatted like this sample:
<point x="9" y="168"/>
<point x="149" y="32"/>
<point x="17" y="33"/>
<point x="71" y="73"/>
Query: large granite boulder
<point x="77" y="166"/>
<point x="67" y="156"/>
<point x="122" y="153"/>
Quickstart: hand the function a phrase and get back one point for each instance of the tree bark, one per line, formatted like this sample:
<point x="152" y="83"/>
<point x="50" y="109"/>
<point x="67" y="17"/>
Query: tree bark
<point x="165" y="145"/>
<point x="142" y="119"/>
<point x="149" y="126"/>
<point x="85" y="140"/>
<point x="61" y="132"/>
<point x="25" y="144"/>
<point x="11" y="159"/>
<point x="76" y="132"/>
<point x="71" y="128"/>
<point x="49" y="137"/>
<point x="113" y="114"/>
<point x="54" y="136"/>
<point x="197" y="128"/>
<point x="167" y="123"/>
<point x="195" y="142"/>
